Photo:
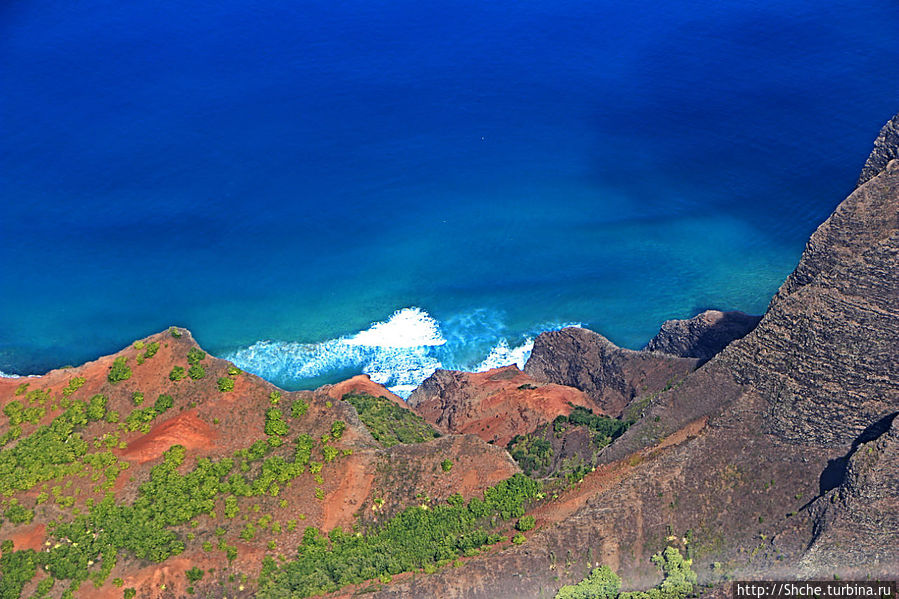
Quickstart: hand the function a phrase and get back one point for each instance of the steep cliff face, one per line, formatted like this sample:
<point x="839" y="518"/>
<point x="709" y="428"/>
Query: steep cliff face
<point x="886" y="148"/>
<point x="857" y="523"/>
<point x="826" y="354"/>
<point x="609" y="375"/>
<point x="761" y="462"/>
<point x="702" y="336"/>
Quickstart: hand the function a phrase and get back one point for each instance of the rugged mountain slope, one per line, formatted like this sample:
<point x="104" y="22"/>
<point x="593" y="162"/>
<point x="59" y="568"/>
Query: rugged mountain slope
<point x="702" y="336"/>
<point x="886" y="148"/>
<point x="256" y="466"/>
<point x="611" y="376"/>
<point x="495" y="405"/>
<point x="825" y="355"/>
<point x="740" y="464"/>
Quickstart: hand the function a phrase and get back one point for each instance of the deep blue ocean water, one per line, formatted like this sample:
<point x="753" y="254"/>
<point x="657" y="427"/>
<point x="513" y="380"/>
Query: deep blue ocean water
<point x="280" y="176"/>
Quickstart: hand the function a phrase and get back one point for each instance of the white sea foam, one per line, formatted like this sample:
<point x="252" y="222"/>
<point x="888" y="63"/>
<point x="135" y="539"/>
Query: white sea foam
<point x="503" y="355"/>
<point x="398" y="353"/>
<point x="409" y="327"/>
<point x="4" y="375"/>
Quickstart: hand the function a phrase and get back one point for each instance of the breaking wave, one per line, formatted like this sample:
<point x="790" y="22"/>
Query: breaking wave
<point x="399" y="352"/>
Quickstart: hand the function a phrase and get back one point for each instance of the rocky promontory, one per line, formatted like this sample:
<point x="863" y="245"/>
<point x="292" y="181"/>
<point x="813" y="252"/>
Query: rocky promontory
<point x="702" y="336"/>
<point x="611" y="376"/>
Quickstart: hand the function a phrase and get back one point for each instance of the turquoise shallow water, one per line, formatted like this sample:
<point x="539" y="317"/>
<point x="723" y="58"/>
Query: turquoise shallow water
<point x="281" y="178"/>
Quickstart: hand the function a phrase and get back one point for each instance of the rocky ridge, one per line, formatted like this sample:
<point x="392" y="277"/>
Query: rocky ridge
<point x="702" y="336"/>
<point x="611" y="376"/>
<point x="767" y="461"/>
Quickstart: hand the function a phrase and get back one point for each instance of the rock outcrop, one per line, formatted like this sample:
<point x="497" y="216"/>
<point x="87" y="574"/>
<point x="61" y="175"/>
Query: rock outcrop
<point x="857" y="523"/>
<point x="611" y="376"/>
<point x="762" y="461"/>
<point x="702" y="336"/>
<point x="495" y="405"/>
<point x="886" y="148"/>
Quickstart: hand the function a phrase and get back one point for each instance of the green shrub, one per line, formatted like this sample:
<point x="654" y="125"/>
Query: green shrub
<point x="163" y="403"/>
<point x="337" y="428"/>
<point x="74" y="384"/>
<point x="195" y="356"/>
<point x="119" y="371"/>
<point x="525" y="523"/>
<point x="225" y="384"/>
<point x="274" y="423"/>
<point x="329" y="453"/>
<point x="446" y="465"/>
<point x="602" y="583"/>
<point x="196" y="372"/>
<point x="17" y="514"/>
<point x="152" y="348"/>
<point x="175" y="332"/>
<point x="519" y="538"/>
<point x="177" y="373"/>
<point x="194" y="574"/>
<point x="389" y="423"/>
<point x="298" y="408"/>
<point x="234" y="370"/>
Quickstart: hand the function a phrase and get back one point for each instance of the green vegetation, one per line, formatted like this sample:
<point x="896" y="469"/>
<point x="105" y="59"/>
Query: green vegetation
<point x="140" y="419"/>
<point x="274" y="423"/>
<point x="196" y="372"/>
<point x="195" y="356"/>
<point x="177" y="373"/>
<point x="337" y="428"/>
<point x="519" y="539"/>
<point x="533" y="454"/>
<point x="74" y="384"/>
<point x="525" y="523"/>
<point x="446" y="465"/>
<point x="225" y="384"/>
<point x="151" y="350"/>
<point x="298" y="408"/>
<point x="389" y="423"/>
<point x="416" y="538"/>
<point x="17" y="514"/>
<point x="534" y="451"/>
<point x="51" y="451"/>
<point x="119" y="371"/>
<point x="194" y="574"/>
<point x="603" y="425"/>
<point x="175" y="332"/>
<point x="603" y="583"/>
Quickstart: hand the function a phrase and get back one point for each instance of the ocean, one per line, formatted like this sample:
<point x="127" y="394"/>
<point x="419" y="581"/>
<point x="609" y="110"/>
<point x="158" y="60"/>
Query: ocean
<point x="318" y="189"/>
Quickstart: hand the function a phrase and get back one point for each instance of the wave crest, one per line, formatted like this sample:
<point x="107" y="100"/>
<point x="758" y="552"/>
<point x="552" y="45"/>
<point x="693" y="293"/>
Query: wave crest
<point x="398" y="353"/>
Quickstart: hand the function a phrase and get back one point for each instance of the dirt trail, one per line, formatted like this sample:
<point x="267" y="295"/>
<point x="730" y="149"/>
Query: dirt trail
<point x="608" y="475"/>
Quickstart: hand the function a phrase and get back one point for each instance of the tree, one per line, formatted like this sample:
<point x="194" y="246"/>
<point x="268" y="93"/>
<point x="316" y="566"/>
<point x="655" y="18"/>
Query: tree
<point x="119" y="371"/>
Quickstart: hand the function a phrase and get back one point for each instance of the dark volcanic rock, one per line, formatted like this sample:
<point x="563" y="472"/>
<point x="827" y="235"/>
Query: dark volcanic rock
<point x="826" y="354"/>
<point x="610" y="375"/>
<point x="702" y="336"/>
<point x="858" y="522"/>
<point x="886" y="148"/>
<point x="760" y="461"/>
